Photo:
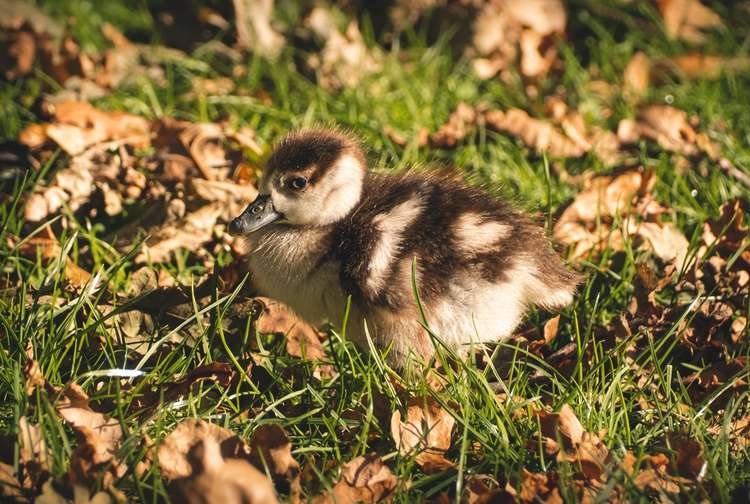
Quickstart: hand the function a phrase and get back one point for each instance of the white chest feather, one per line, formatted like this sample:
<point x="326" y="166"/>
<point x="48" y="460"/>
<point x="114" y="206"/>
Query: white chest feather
<point x="288" y="265"/>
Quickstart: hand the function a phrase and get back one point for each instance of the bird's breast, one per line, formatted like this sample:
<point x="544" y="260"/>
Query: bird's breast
<point x="293" y="267"/>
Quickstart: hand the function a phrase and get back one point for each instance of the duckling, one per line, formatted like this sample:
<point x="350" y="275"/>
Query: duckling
<point x="325" y="230"/>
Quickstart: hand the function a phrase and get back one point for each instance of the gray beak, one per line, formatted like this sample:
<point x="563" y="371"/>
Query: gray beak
<point x="259" y="213"/>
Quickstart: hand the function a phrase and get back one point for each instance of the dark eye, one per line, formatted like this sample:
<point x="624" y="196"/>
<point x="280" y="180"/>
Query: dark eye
<point x="298" y="183"/>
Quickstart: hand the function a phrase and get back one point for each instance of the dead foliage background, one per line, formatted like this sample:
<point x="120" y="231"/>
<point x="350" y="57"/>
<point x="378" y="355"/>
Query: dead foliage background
<point x="139" y="365"/>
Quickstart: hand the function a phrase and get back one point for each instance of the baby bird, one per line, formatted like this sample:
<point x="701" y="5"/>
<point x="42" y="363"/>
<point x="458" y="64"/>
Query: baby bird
<point x="325" y="229"/>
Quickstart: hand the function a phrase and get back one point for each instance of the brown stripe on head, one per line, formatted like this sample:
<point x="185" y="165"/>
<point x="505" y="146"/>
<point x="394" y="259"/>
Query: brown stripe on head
<point x="312" y="151"/>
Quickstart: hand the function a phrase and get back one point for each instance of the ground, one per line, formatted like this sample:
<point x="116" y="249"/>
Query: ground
<point x="622" y="126"/>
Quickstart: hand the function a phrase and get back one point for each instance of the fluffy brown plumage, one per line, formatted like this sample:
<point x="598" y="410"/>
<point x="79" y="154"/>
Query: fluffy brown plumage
<point x="325" y="229"/>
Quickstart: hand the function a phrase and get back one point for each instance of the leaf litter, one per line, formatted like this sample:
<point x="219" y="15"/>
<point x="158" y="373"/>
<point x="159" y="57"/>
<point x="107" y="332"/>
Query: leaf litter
<point x="116" y="159"/>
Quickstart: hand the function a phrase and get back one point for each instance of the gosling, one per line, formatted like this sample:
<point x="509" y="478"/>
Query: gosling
<point x="325" y="231"/>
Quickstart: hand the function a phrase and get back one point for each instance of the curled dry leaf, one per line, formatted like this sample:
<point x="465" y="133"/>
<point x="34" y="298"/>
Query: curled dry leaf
<point x="233" y="197"/>
<point x="536" y="133"/>
<point x="271" y="449"/>
<point x="539" y="487"/>
<point x="173" y="451"/>
<point x="363" y="480"/>
<point x="459" y="124"/>
<point x="345" y="58"/>
<point x="79" y="125"/>
<point x="687" y="19"/>
<point x="577" y="446"/>
<point x="669" y="127"/>
<point x="99" y="437"/>
<point x="425" y="431"/>
<point x="501" y="28"/>
<point x="216" y="480"/>
<point x="204" y="143"/>
<point x="273" y="317"/>
<point x="586" y="224"/>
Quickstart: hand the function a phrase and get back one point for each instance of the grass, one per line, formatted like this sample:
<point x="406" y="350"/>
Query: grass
<point x="334" y="420"/>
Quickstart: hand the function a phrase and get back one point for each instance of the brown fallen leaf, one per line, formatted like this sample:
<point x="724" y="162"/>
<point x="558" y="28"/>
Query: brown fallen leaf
<point x="345" y="58"/>
<point x="687" y="19"/>
<point x="98" y="435"/>
<point x="215" y="480"/>
<point x="637" y="74"/>
<point x="364" y="480"/>
<point x="668" y="243"/>
<point x="172" y="454"/>
<point x="10" y="487"/>
<point x="501" y="29"/>
<point x="550" y="329"/>
<point x="539" y="487"/>
<point x="73" y="406"/>
<point x="459" y="124"/>
<point x="191" y="232"/>
<point x="254" y="29"/>
<point x="478" y="491"/>
<point x="50" y="250"/>
<point x="536" y="133"/>
<point x="79" y="125"/>
<point x="271" y="449"/>
<point x="579" y="447"/>
<point x="32" y="447"/>
<point x="215" y="372"/>
<point x="203" y="142"/>
<point x="273" y="317"/>
<point x="669" y="127"/>
<point x="425" y="431"/>
<point x="233" y="197"/>
<point x="705" y="66"/>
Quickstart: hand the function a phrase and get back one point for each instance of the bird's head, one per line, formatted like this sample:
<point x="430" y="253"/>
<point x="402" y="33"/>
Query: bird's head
<point x="313" y="178"/>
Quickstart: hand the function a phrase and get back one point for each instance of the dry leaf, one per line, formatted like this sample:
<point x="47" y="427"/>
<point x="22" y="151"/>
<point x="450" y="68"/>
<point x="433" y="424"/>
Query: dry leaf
<point x="79" y="125"/>
<point x="73" y="407"/>
<point x="363" y="480"/>
<point x="550" y="329"/>
<point x="302" y="339"/>
<point x="345" y="58"/>
<point x="98" y="436"/>
<point x="459" y="124"/>
<point x="191" y="232"/>
<point x="425" y="432"/>
<point x="216" y="480"/>
<point x="233" y="197"/>
<point x="637" y="74"/>
<point x="667" y="242"/>
<point x="686" y="19"/>
<point x="501" y="27"/>
<point x="539" y="487"/>
<point x="50" y="250"/>
<point x="254" y="28"/>
<point x="534" y="63"/>
<point x="204" y="143"/>
<point x="669" y="127"/>
<point x="705" y="66"/>
<point x="579" y="447"/>
<point x="10" y="487"/>
<point x="537" y="134"/>
<point x="173" y="450"/>
<point x="271" y="448"/>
